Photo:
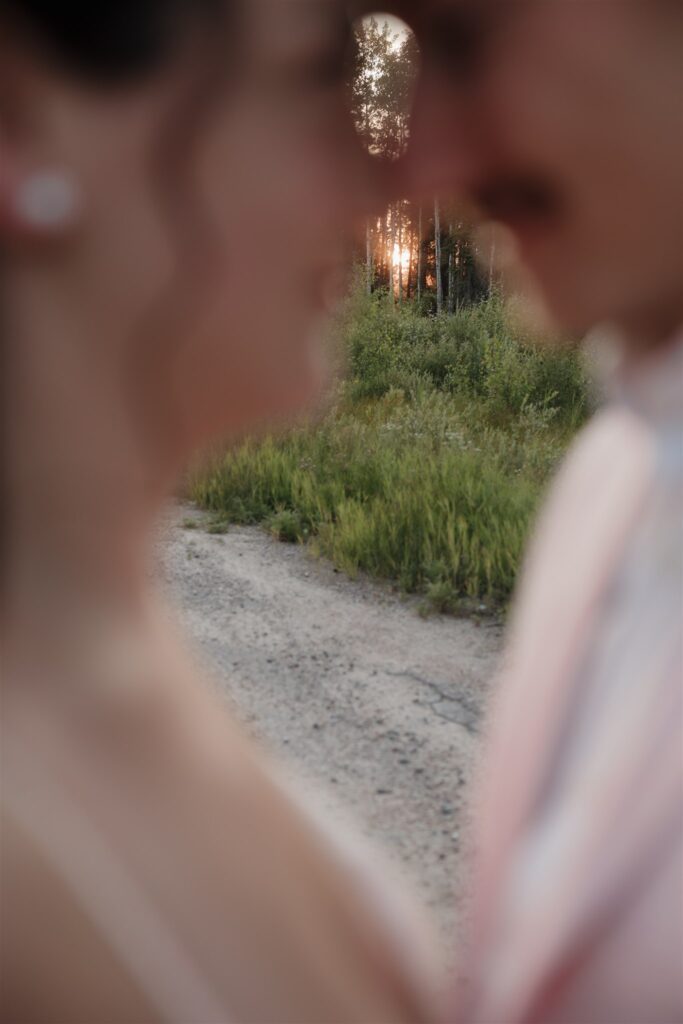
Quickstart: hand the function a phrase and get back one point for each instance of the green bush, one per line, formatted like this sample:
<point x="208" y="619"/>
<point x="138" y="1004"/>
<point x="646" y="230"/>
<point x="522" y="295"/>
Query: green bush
<point x="430" y="466"/>
<point x="422" y="492"/>
<point x="287" y="525"/>
<point x="474" y="352"/>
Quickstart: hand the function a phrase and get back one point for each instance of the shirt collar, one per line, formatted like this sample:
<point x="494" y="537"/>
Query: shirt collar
<point x="651" y="386"/>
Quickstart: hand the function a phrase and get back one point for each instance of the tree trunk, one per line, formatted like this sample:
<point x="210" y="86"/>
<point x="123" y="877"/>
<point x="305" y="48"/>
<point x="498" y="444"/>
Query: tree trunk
<point x="419" y="254"/>
<point x="458" y="275"/>
<point x="492" y="260"/>
<point x="383" y="249"/>
<point x="368" y="255"/>
<point x="400" y="255"/>
<point x="392" y="256"/>
<point x="451" y="270"/>
<point x="411" y="249"/>
<point x="437" y="239"/>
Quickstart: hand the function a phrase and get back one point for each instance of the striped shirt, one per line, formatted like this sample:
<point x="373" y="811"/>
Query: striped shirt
<point x="580" y="896"/>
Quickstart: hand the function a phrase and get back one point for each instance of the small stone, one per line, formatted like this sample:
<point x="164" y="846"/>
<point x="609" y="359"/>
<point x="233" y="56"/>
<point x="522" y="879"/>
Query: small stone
<point x="446" y="809"/>
<point x="383" y="792"/>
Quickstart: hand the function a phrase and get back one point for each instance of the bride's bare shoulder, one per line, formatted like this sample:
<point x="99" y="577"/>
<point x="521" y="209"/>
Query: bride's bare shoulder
<point x="150" y="805"/>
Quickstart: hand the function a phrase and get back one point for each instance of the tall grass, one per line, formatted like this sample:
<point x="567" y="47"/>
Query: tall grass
<point x="429" y="466"/>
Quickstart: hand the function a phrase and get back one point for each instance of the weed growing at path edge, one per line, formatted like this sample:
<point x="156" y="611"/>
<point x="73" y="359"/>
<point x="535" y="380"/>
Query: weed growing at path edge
<point x="429" y="467"/>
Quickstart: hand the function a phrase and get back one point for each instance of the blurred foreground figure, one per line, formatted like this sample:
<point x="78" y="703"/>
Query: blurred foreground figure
<point x="152" y="866"/>
<point x="563" y="122"/>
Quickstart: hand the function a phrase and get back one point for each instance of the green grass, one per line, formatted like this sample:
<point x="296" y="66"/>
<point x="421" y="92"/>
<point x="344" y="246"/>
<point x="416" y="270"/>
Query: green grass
<point x="429" y="467"/>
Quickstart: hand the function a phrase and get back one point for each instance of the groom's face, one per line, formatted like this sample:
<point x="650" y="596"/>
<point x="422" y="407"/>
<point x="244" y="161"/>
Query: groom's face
<point x="562" y="120"/>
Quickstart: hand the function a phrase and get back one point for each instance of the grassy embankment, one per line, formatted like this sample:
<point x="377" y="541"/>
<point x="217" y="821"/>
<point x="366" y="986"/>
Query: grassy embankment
<point x="429" y="466"/>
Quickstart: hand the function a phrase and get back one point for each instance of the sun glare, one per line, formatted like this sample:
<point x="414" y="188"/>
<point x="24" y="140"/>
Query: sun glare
<point x="401" y="256"/>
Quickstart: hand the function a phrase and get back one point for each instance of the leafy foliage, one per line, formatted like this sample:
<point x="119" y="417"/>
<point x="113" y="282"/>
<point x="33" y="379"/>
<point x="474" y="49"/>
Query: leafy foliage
<point x="429" y="467"/>
<point x="476" y="353"/>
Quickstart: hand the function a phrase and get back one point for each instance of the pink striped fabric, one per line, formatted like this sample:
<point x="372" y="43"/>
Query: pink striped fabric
<point x="579" y="889"/>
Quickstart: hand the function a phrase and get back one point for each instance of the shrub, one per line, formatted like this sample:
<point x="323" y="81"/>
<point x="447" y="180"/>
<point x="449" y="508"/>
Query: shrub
<point x="475" y="352"/>
<point x="287" y="525"/>
<point x="429" y="468"/>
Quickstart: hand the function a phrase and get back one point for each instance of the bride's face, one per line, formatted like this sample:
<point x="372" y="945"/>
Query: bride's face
<point x="281" y="180"/>
<point x="217" y="202"/>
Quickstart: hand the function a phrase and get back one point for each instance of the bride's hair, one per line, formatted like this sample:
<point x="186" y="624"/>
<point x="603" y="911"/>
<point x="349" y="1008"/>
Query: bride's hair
<point x="112" y="40"/>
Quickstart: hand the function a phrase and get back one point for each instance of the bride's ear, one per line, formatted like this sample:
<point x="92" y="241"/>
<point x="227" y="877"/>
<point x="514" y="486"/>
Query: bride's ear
<point x="38" y="198"/>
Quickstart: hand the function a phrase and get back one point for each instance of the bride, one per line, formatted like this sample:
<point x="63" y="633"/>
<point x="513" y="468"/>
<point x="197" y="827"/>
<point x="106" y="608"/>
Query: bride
<point x="175" y="179"/>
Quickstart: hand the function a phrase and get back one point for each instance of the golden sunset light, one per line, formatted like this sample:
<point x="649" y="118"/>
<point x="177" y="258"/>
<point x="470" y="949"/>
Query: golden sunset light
<point x="401" y="256"/>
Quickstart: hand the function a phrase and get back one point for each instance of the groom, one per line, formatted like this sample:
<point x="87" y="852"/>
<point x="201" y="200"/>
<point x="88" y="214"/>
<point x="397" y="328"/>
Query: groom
<point x="562" y="121"/>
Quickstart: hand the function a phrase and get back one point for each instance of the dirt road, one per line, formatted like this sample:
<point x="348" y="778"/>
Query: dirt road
<point x="345" y="680"/>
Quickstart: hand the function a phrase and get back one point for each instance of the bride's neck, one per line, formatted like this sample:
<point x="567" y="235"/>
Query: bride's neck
<point x="82" y="490"/>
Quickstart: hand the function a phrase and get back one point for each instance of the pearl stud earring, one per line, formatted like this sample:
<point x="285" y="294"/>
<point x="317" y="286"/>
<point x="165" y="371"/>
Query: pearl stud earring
<point x="47" y="201"/>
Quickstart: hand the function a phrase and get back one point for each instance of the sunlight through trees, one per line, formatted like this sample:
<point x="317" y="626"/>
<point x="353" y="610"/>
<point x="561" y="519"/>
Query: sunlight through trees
<point x="412" y="253"/>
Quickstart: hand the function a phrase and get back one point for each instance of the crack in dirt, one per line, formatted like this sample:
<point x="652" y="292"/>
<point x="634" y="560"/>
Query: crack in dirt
<point x="465" y="714"/>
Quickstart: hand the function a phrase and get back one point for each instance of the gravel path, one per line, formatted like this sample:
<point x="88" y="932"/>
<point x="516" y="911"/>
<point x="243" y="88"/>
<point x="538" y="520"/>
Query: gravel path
<point x="344" y="680"/>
